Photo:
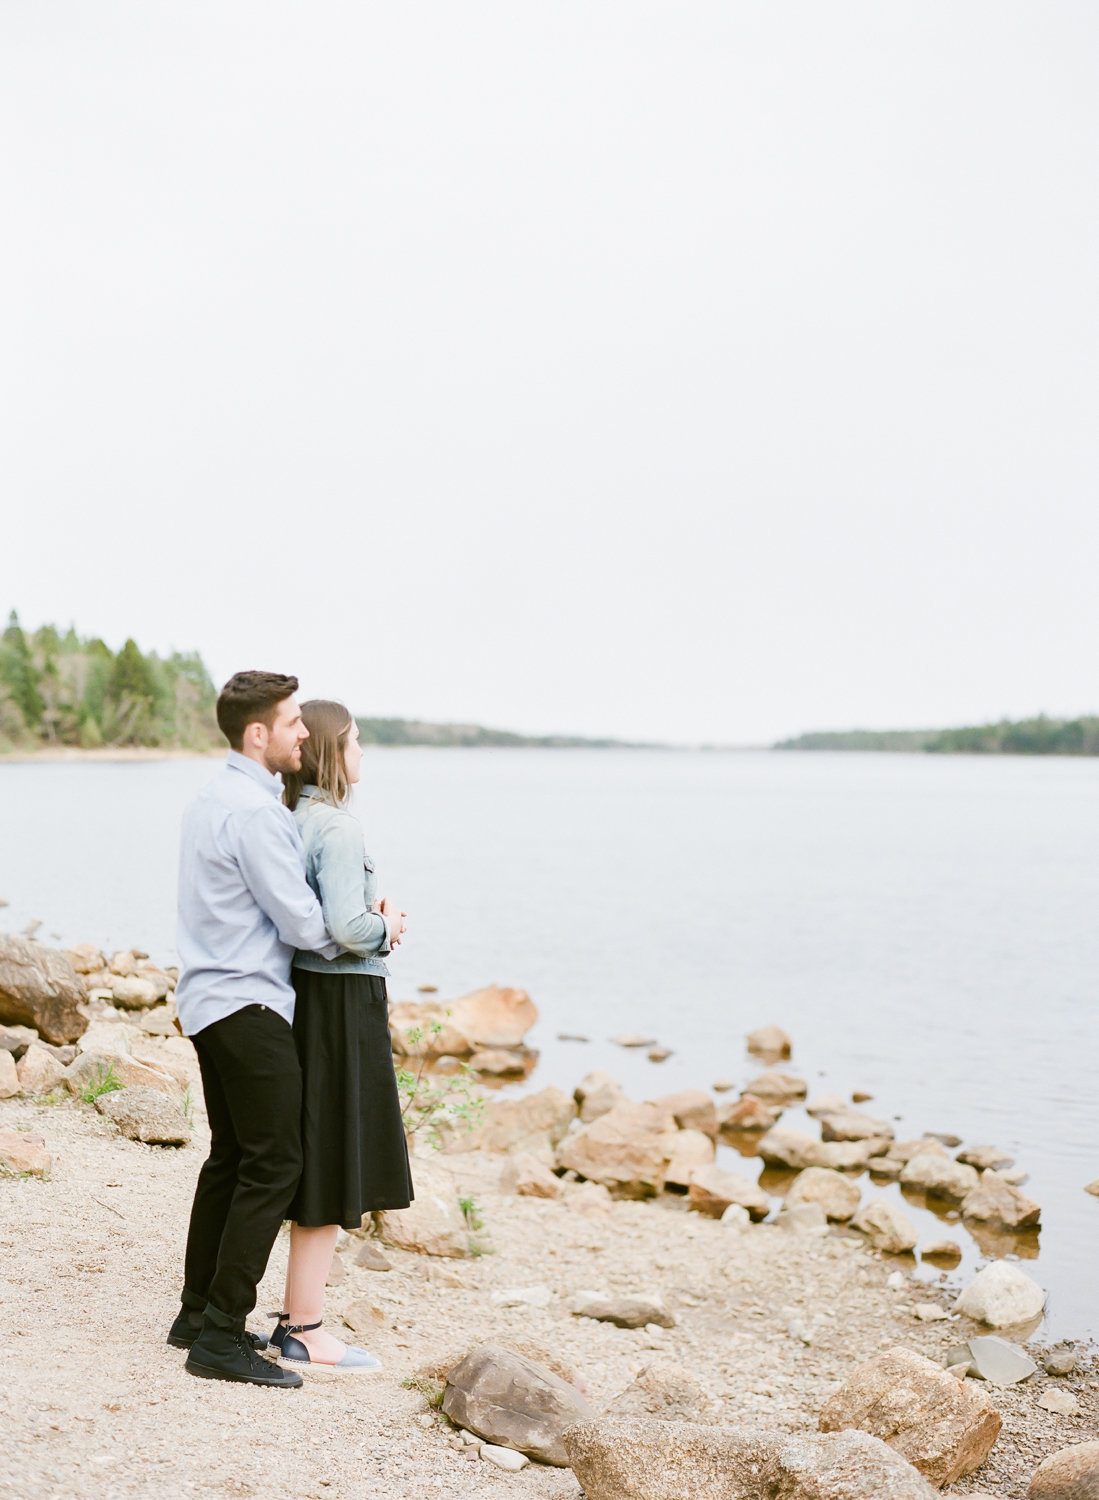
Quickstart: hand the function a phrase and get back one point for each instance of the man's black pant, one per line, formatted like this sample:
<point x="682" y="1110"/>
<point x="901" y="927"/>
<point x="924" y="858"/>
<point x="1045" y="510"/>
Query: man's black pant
<point x="252" y="1081"/>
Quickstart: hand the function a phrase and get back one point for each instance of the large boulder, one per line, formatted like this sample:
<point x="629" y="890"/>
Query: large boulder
<point x="1069" y="1474"/>
<point x="662" y="1389"/>
<point x="994" y="1201"/>
<point x="39" y="987"/>
<point x="691" y="1150"/>
<point x="940" y="1176"/>
<point x="534" y="1123"/>
<point x="942" y="1426"/>
<point x="22" y="1154"/>
<point x="627" y="1150"/>
<point x="692" y="1109"/>
<point x="145" y="1114"/>
<point x="495" y="1016"/>
<point x="712" y="1190"/>
<point x="513" y="1402"/>
<point x="886" y="1227"/>
<point x="417" y="1030"/>
<point x="836" y="1194"/>
<point x="641" y="1458"/>
<point x="1001" y="1295"/>
<point x="840" y="1466"/>
<point x="95" y="1067"/>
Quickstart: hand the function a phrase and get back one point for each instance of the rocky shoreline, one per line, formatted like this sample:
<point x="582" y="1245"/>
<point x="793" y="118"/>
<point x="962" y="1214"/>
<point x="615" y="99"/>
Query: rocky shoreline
<point x="579" y="1296"/>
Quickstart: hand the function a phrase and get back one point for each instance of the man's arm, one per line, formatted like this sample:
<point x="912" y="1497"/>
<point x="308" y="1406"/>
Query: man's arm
<point x="269" y="856"/>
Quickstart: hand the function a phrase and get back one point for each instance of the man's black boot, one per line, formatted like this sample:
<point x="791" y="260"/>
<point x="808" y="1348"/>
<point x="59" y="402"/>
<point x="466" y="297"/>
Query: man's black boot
<point x="218" y="1354"/>
<point x="188" y="1326"/>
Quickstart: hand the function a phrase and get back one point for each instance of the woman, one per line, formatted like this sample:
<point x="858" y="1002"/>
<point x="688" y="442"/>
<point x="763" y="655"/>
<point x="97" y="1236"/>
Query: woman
<point x="353" y="1141"/>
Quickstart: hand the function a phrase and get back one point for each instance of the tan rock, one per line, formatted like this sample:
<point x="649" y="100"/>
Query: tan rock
<point x="145" y="1114"/>
<point x="512" y="1402"/>
<point x="628" y="1149"/>
<point x="994" y="1201"/>
<point x="886" y="1227"/>
<point x="528" y="1177"/>
<point x="597" y="1094"/>
<point x="853" y="1125"/>
<point x="622" y="1309"/>
<point x="86" y="958"/>
<point x="9" y="1076"/>
<point x="943" y="1250"/>
<point x="925" y="1145"/>
<point x="371" y="1258"/>
<point x="691" y="1149"/>
<point x="826" y="1104"/>
<point x="746" y="1114"/>
<point x="124" y="962"/>
<point x="712" y="1190"/>
<point x="498" y="1063"/>
<point x="1001" y="1295"/>
<point x="21" y="1153"/>
<point x="495" y="1016"/>
<point x="663" y="1389"/>
<point x="426" y="1031"/>
<point x="770" y="1042"/>
<point x="775" y="1087"/>
<point x="985" y="1158"/>
<point x="93" y="1067"/>
<point x="1069" y="1474"/>
<point x="39" y="1071"/>
<point x="642" y="1458"/>
<point x="944" y="1427"/>
<point x="363" y="1316"/>
<point x="134" y="992"/>
<point x="163" y="982"/>
<point x="16" y="1039"/>
<point x="783" y="1146"/>
<point x="109" y="1038"/>
<point x="692" y="1109"/>
<point x="534" y="1123"/>
<point x="434" y="1224"/>
<point x="588" y="1199"/>
<point x="940" y="1177"/>
<point x="840" y="1466"/>
<point x="40" y="988"/>
<point x="160" y="1021"/>
<point x="836" y="1194"/>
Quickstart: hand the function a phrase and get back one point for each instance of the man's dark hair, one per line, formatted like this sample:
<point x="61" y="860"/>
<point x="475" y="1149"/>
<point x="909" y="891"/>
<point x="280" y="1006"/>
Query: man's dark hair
<point x="251" y="698"/>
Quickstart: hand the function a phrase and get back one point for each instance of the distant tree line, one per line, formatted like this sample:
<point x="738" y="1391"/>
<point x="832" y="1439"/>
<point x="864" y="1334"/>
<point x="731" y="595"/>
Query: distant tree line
<point x="63" y="689"/>
<point x="1038" y="736"/>
<point x="467" y="736"/>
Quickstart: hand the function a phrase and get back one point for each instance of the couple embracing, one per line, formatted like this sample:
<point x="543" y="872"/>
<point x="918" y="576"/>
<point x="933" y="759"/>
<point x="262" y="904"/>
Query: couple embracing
<point x="282" y="992"/>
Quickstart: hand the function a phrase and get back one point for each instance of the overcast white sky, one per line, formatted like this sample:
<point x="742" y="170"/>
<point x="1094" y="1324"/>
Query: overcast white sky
<point x="704" y="371"/>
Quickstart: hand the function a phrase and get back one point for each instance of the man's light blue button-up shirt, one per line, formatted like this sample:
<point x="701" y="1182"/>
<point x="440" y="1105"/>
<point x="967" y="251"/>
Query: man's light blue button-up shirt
<point x="244" y="904"/>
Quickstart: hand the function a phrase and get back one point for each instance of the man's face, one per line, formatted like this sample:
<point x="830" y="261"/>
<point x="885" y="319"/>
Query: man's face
<point x="282" y="751"/>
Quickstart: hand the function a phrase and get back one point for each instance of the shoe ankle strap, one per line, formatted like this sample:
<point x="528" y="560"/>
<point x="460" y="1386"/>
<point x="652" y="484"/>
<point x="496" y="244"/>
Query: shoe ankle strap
<point x="301" y="1327"/>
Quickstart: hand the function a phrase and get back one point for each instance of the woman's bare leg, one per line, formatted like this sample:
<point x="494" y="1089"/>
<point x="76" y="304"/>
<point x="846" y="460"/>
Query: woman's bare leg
<point x="311" y="1252"/>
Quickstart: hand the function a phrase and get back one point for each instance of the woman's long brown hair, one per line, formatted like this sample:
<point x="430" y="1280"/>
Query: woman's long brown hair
<point x="322" y="764"/>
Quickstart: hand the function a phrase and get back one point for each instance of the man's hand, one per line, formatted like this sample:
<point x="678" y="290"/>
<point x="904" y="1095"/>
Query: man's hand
<point x="395" y="917"/>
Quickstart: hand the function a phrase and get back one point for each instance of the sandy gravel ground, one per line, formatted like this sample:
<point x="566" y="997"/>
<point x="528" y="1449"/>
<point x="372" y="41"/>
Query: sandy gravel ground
<point x="96" y="1404"/>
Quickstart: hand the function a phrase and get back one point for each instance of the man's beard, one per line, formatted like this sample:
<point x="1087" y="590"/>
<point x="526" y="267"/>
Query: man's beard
<point x="290" y="760"/>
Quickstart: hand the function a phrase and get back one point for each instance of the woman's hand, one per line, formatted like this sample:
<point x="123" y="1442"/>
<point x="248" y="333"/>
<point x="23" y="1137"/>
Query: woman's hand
<point x="395" y="917"/>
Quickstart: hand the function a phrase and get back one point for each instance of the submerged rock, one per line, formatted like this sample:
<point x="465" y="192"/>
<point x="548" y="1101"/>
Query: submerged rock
<point x="940" y="1176"/>
<point x="999" y="1203"/>
<point x="836" y="1194"/>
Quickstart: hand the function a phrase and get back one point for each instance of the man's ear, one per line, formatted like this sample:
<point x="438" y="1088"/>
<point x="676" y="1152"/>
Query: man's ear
<point x="256" y="735"/>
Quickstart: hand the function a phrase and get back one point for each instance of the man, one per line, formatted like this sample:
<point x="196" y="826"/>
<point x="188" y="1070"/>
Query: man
<point x="244" y="907"/>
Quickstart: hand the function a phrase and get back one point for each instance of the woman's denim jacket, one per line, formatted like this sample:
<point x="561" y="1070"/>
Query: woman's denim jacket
<point x="341" y="874"/>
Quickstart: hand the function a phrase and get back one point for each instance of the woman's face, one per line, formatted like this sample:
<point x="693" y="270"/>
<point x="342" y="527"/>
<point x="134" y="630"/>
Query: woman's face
<point x="352" y="754"/>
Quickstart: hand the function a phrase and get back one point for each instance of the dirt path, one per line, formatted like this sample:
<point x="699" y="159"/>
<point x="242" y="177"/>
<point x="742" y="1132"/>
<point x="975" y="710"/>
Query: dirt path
<point x="96" y="1404"/>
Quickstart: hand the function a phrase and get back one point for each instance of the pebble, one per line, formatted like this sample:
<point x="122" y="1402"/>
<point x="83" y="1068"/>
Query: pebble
<point x="930" y="1312"/>
<point x="1060" y="1362"/>
<point x="895" y="1281"/>
<point x="504" y="1458"/>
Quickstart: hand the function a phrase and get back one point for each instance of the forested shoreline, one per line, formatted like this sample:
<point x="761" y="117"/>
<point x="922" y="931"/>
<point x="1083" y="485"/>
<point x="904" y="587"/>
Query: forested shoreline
<point x="1037" y="736"/>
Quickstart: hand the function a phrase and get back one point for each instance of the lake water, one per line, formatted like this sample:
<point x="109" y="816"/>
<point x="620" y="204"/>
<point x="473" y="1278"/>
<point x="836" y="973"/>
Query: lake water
<point x="926" y="928"/>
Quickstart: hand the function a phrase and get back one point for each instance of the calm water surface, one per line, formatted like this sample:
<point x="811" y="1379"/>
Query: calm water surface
<point x="925" y="928"/>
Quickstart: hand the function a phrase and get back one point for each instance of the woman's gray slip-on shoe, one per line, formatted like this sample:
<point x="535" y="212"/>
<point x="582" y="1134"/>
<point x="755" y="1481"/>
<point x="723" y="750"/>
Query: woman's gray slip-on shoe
<point x="354" y="1362"/>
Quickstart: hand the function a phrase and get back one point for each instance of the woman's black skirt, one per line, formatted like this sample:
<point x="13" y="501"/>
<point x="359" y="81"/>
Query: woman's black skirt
<point x="353" y="1141"/>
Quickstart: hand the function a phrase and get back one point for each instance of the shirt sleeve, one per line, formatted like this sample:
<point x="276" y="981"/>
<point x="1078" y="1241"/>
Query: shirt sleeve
<point x="339" y="873"/>
<point x="269" y="855"/>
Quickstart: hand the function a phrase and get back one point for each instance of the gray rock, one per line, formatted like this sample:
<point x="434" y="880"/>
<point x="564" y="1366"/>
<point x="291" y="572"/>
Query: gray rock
<point x="39" y="987"/>
<point x="638" y="1458"/>
<point x="1060" y="1361"/>
<point x="512" y="1402"/>
<point x="1070" y="1474"/>
<point x="147" y="1115"/>
<point x="999" y="1361"/>
<point x="665" y="1390"/>
<point x="944" y="1427"/>
<point x="624" y="1311"/>
<point x="1001" y="1295"/>
<point x="840" y="1466"/>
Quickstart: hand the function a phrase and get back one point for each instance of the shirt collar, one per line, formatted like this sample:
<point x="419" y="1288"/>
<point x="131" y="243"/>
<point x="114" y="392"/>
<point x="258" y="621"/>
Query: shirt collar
<point x="270" y="782"/>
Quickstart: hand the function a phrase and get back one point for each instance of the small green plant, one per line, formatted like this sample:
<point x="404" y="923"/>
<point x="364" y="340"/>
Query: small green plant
<point x="471" y="1212"/>
<point x="106" y="1081"/>
<point x="188" y="1104"/>
<point x="430" y="1104"/>
<point x="431" y="1390"/>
